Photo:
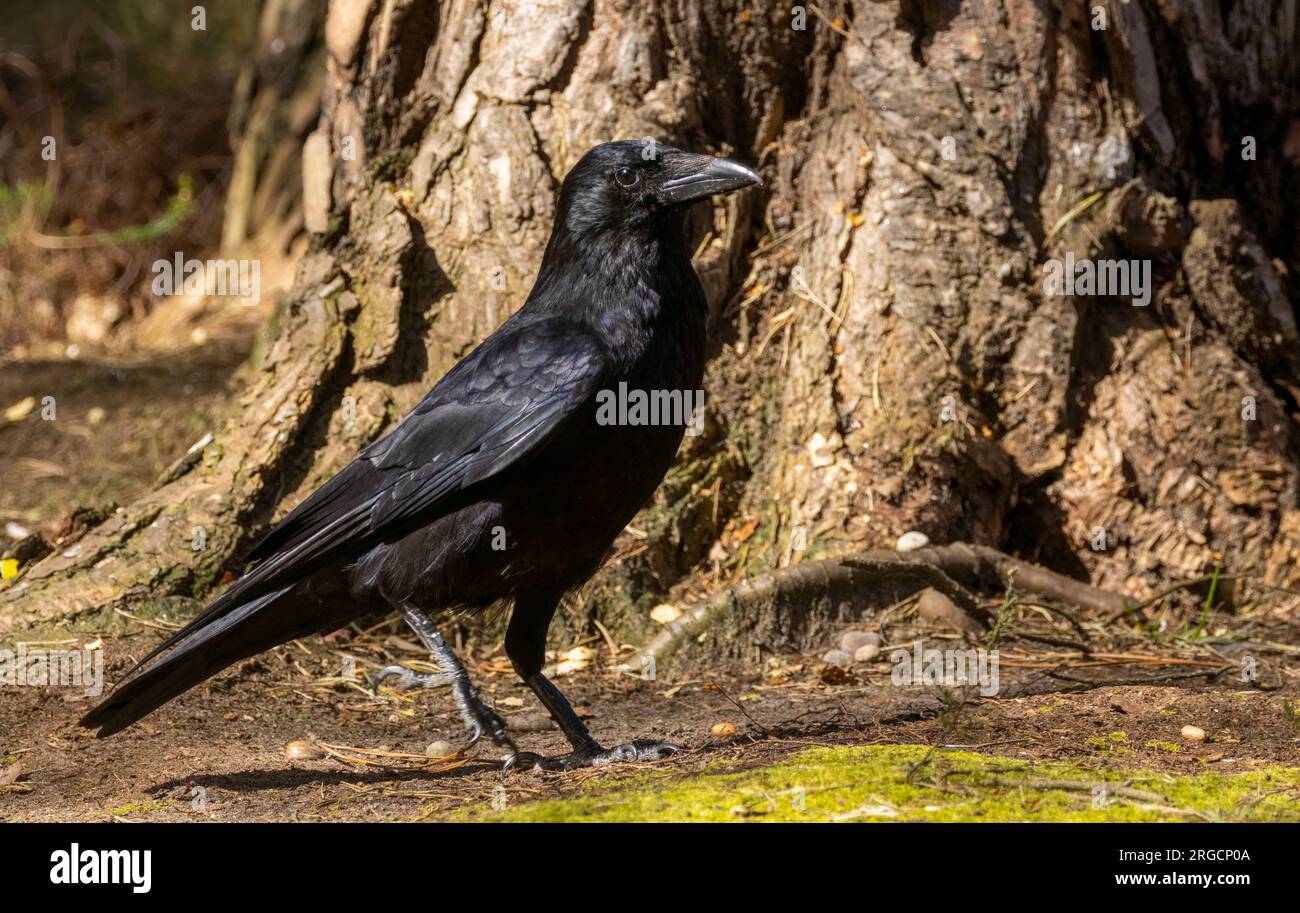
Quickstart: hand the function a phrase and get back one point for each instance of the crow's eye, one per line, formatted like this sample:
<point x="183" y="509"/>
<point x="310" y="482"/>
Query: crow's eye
<point x="627" y="177"/>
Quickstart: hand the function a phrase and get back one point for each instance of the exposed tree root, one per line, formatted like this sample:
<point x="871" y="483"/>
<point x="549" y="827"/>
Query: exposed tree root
<point x="954" y="570"/>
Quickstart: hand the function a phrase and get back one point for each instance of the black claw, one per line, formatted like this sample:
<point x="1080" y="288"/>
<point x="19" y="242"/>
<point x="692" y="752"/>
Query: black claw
<point x="383" y="674"/>
<point x="523" y="760"/>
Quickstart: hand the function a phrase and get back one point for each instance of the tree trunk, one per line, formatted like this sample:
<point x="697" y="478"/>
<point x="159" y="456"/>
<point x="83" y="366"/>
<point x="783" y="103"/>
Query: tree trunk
<point x="886" y="355"/>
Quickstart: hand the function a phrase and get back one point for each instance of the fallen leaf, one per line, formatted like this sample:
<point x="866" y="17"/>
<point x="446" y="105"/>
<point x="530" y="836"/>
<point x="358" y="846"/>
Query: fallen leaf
<point x="746" y="530"/>
<point x="574" y="660"/>
<point x="834" y="675"/>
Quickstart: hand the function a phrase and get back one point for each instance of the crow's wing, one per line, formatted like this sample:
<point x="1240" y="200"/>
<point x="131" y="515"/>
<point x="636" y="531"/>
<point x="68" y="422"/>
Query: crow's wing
<point x="498" y="405"/>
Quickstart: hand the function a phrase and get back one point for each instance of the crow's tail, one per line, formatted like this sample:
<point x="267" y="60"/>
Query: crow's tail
<point x="243" y="631"/>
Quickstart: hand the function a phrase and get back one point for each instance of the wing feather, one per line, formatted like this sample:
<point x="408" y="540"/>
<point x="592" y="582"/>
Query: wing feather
<point x="494" y="408"/>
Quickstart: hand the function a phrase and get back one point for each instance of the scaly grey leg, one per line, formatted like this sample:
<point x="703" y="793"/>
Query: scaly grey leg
<point x="477" y="715"/>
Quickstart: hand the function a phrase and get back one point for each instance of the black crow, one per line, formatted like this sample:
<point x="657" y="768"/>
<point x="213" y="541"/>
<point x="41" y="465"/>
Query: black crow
<point x="506" y="482"/>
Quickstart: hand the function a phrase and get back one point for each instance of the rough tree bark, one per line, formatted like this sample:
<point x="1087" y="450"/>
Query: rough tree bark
<point x="885" y="356"/>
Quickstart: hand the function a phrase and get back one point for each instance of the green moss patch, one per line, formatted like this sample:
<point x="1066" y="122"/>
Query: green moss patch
<point x="142" y="807"/>
<point x="916" y="783"/>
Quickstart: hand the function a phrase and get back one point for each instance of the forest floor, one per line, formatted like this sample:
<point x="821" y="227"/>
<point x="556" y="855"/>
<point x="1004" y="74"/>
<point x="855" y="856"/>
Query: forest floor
<point x="799" y="742"/>
<point x="97" y="432"/>
<point x="1093" y="734"/>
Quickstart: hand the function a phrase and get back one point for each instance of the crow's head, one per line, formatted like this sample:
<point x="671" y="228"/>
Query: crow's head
<point x="631" y="183"/>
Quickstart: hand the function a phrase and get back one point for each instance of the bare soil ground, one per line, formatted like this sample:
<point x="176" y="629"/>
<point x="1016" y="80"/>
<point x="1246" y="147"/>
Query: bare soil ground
<point x="114" y="427"/>
<point x="219" y="752"/>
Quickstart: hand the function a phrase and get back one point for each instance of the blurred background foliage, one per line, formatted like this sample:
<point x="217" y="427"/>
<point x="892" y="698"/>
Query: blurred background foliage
<point x="135" y="97"/>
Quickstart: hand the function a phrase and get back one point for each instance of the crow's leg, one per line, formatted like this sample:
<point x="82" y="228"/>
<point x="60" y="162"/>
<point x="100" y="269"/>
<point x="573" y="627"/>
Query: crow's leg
<point x="478" y="716"/>
<point x="526" y="647"/>
<point x="587" y="752"/>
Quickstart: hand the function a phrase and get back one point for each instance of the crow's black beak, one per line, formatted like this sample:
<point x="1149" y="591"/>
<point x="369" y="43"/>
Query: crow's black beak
<point x="698" y="176"/>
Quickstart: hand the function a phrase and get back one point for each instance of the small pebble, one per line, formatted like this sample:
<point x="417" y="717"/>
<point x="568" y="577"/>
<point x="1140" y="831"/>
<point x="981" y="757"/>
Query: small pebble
<point x="938" y="609"/>
<point x="439" y="749"/>
<point x="665" y="613"/>
<point x="1194" y="733"/>
<point x="722" y="730"/>
<point x="866" y="653"/>
<point x="852" y="641"/>
<point x="302" y="751"/>
<point x="838" y="658"/>
<point x="911" y="541"/>
<point x="531" y="722"/>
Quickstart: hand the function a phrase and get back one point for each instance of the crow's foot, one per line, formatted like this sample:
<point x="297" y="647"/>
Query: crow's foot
<point x="478" y="717"/>
<point x="409" y="679"/>
<point x="595" y="756"/>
